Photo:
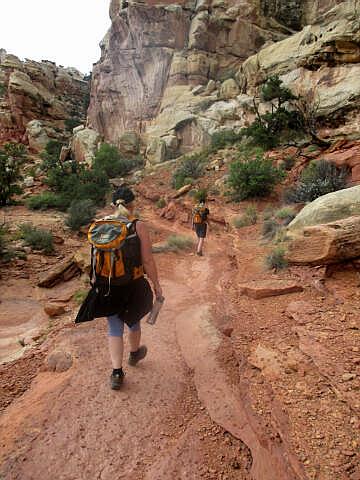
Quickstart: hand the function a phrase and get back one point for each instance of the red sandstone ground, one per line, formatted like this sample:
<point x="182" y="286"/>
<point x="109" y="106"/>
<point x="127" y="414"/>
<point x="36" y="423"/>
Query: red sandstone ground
<point x="280" y="373"/>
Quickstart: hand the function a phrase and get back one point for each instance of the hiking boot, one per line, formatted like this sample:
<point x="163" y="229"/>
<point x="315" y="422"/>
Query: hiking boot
<point x="116" y="380"/>
<point x="135" y="357"/>
<point x="199" y="253"/>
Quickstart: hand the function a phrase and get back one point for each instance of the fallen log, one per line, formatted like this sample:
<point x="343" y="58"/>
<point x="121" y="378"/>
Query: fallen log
<point x="325" y="244"/>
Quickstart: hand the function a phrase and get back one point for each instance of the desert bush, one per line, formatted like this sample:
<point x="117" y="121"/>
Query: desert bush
<point x="286" y="214"/>
<point x="179" y="242"/>
<point x="249" y="218"/>
<point x="253" y="178"/>
<point x="268" y="128"/>
<point x="161" y="203"/>
<point x="276" y="259"/>
<point x="201" y="195"/>
<point x="80" y="213"/>
<point x="70" y="180"/>
<point x="224" y="138"/>
<point x="2" y="89"/>
<point x="109" y="159"/>
<point x="79" y="296"/>
<point x="3" y="241"/>
<point x="317" y="179"/>
<point x="268" y="213"/>
<point x="36" y="238"/>
<point x="191" y="167"/>
<point x="12" y="157"/>
<point x="71" y="123"/>
<point x="50" y="155"/>
<point x="288" y="163"/>
<point x="47" y="200"/>
<point x="270" y="228"/>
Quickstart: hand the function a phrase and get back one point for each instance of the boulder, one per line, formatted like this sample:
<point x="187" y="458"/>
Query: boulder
<point x="54" y="309"/>
<point x="28" y="182"/>
<point x="84" y="145"/>
<point x="64" y="153"/>
<point x="328" y="208"/>
<point x="58" y="361"/>
<point x="267" y="360"/>
<point x="345" y="154"/>
<point x="37" y="135"/>
<point x="325" y="244"/>
<point x="156" y="151"/>
<point x="129" y="143"/>
<point x="229" y="89"/>
<point x="60" y="273"/>
<point x="169" y="212"/>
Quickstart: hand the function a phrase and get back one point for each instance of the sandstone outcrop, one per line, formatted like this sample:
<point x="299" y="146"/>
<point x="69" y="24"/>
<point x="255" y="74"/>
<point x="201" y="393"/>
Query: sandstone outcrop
<point x="84" y="144"/>
<point x="328" y="208"/>
<point x="176" y="73"/>
<point x="325" y="244"/>
<point x="39" y="92"/>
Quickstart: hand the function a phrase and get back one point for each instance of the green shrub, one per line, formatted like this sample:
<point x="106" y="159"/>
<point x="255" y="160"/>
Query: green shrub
<point x="253" y="178"/>
<point x="223" y="138"/>
<point x="79" y="296"/>
<point x="71" y="123"/>
<point x="288" y="163"/>
<point x="276" y="259"/>
<point x="12" y="157"/>
<point x="251" y="214"/>
<point x="270" y="228"/>
<point x="268" y="129"/>
<point x="36" y="238"/>
<point x="285" y="213"/>
<point x="3" y="241"/>
<point x="161" y="203"/>
<point x="47" y="200"/>
<point x="80" y="213"/>
<point x="109" y="159"/>
<point x="317" y="179"/>
<point x="51" y="155"/>
<point x="249" y="218"/>
<point x="201" y="195"/>
<point x="191" y="167"/>
<point x="268" y="213"/>
<point x="179" y="242"/>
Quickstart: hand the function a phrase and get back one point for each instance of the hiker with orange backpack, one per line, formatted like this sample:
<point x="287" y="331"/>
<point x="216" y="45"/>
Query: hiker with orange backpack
<point x="199" y="223"/>
<point x="121" y="254"/>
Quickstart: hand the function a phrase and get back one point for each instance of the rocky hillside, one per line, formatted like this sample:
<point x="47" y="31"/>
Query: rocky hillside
<point x="176" y="73"/>
<point x="39" y="99"/>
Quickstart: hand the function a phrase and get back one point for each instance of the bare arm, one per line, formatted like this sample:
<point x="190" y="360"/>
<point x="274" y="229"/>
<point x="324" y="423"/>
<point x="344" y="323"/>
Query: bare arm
<point x="147" y="257"/>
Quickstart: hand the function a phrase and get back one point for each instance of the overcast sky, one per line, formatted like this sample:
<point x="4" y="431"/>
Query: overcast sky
<point x="67" y="32"/>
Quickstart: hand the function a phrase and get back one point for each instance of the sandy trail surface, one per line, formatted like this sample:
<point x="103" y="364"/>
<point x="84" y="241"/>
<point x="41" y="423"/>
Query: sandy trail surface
<point x="71" y="425"/>
<point x="232" y="388"/>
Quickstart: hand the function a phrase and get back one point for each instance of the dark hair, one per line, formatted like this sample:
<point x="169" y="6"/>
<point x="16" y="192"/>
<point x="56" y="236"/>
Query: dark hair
<point x="123" y="193"/>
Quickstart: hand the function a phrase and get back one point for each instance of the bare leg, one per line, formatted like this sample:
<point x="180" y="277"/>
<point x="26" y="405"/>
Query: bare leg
<point x="116" y="348"/>
<point x="200" y="245"/>
<point x="134" y="340"/>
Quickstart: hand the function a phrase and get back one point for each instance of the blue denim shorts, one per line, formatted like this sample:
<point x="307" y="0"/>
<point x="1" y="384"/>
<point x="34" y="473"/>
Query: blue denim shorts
<point x="116" y="326"/>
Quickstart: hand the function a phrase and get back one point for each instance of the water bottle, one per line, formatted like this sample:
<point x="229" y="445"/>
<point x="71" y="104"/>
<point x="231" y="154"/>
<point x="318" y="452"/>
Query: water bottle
<point x="151" y="319"/>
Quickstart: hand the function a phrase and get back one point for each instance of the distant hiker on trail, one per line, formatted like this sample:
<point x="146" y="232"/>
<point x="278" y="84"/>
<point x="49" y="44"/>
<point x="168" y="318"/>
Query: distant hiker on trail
<point x="199" y="222"/>
<point x="121" y="254"/>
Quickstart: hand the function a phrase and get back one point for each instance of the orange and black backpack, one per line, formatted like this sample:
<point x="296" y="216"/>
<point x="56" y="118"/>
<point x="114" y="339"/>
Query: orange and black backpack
<point x="115" y="252"/>
<point x="199" y="214"/>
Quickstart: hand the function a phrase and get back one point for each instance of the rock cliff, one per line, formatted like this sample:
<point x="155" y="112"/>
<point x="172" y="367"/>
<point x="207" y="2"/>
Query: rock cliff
<point x="36" y="98"/>
<point x="175" y="73"/>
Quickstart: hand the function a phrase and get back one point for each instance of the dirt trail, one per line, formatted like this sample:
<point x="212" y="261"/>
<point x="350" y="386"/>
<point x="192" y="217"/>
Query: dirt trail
<point x="72" y="426"/>
<point x="185" y="411"/>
